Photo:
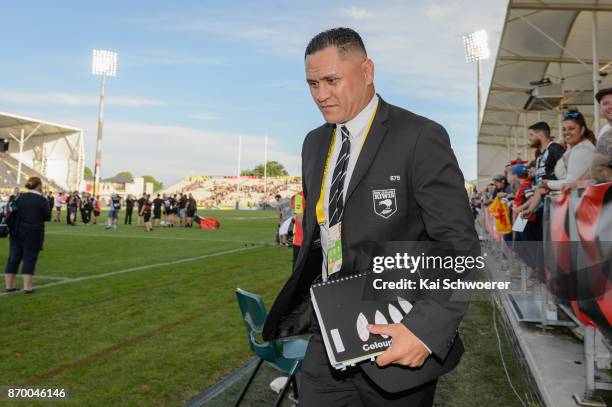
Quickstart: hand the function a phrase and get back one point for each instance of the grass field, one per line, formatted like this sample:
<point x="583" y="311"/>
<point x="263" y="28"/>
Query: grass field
<point x="129" y="318"/>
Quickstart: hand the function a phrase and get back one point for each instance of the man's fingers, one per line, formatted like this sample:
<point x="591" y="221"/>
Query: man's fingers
<point x="383" y="329"/>
<point x="387" y="357"/>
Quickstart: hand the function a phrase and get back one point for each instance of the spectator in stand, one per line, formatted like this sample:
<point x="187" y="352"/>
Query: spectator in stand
<point x="549" y="151"/>
<point x="604" y="98"/>
<point x="129" y="209"/>
<point x="26" y="239"/>
<point x="576" y="161"/>
<point x="601" y="167"/>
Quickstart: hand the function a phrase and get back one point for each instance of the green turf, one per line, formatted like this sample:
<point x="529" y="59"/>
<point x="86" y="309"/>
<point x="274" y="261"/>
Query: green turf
<point x="158" y="336"/>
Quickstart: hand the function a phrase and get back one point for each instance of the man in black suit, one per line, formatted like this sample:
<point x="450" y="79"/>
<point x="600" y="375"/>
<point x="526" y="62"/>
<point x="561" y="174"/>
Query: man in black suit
<point x="367" y="152"/>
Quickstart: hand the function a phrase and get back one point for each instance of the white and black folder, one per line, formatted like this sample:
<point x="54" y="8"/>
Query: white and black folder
<point x="344" y="315"/>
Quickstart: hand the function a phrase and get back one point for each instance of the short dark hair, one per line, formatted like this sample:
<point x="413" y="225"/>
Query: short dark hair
<point x="541" y="126"/>
<point x="345" y="39"/>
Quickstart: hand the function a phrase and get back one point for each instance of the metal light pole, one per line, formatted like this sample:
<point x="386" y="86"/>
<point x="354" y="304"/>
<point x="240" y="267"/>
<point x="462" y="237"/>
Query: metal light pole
<point x="265" y="171"/>
<point x="238" y="173"/>
<point x="476" y="49"/>
<point x="104" y="63"/>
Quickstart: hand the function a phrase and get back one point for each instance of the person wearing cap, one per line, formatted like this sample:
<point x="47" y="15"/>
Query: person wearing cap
<point x="529" y="233"/>
<point x="604" y="98"/>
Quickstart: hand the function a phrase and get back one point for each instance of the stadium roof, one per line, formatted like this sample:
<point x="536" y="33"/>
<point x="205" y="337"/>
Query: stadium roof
<point x="549" y="42"/>
<point x="53" y="150"/>
<point x="11" y="123"/>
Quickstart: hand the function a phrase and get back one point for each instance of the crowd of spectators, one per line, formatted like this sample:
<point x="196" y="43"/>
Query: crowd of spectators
<point x="580" y="159"/>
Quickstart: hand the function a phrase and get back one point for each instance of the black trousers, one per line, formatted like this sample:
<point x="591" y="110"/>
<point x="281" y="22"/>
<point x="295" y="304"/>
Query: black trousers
<point x="321" y="385"/>
<point x="18" y="254"/>
<point x="128" y="216"/>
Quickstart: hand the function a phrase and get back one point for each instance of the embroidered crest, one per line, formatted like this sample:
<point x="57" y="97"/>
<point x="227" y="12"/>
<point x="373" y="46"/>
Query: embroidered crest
<point x="385" y="203"/>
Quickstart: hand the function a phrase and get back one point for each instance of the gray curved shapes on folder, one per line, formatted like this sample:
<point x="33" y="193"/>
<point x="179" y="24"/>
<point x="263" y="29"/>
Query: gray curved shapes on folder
<point x="396" y="316"/>
<point x="362" y="327"/>
<point x="379" y="319"/>
<point x="406" y="306"/>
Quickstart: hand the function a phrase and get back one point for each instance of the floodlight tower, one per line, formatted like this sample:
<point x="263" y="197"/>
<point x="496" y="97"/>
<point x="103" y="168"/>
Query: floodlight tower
<point x="476" y="49"/>
<point x="103" y="64"/>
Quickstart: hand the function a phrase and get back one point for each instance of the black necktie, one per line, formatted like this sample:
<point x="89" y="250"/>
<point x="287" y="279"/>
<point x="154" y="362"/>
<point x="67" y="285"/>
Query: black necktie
<point x="336" y="191"/>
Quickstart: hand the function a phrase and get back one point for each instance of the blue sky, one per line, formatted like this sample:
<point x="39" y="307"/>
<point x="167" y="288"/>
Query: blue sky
<point x="194" y="75"/>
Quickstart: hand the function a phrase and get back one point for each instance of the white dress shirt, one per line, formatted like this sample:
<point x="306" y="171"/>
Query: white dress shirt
<point x="357" y="128"/>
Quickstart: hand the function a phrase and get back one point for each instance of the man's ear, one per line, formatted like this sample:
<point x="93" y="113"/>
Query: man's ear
<point x="368" y="70"/>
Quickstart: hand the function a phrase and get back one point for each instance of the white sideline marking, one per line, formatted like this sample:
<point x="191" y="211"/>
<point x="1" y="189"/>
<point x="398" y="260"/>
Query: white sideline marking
<point x="53" y="277"/>
<point x="140" y="268"/>
<point x="156" y="237"/>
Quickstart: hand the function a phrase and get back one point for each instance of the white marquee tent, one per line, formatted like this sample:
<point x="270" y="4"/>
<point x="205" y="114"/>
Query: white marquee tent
<point x="56" y="151"/>
<point x="551" y="43"/>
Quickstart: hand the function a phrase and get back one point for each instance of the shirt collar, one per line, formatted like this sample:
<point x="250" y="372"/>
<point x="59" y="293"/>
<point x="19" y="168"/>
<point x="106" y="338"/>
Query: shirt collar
<point x="357" y="125"/>
<point x="33" y="191"/>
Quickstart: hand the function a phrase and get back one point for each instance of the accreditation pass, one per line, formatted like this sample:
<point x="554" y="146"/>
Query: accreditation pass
<point x="33" y="393"/>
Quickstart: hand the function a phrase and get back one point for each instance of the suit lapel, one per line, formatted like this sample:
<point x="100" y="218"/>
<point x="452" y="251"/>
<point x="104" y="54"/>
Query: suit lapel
<point x="369" y="150"/>
<point x="314" y="185"/>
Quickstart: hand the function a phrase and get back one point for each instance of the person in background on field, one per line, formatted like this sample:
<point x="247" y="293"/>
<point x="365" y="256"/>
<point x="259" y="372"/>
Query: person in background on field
<point x="173" y="209"/>
<point x="72" y="206"/>
<point x="86" y="208"/>
<point x="145" y="212"/>
<point x="297" y="204"/>
<point x="95" y="204"/>
<point x="51" y="200"/>
<point x="59" y="201"/>
<point x="113" y="211"/>
<point x="182" y="208"/>
<point x="14" y="195"/>
<point x="140" y="203"/>
<point x="190" y="210"/>
<point x="129" y="209"/>
<point x="26" y="239"/>
<point x="157" y="210"/>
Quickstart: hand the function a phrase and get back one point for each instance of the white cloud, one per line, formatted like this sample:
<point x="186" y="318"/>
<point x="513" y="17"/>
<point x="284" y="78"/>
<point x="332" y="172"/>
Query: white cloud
<point x="357" y="13"/>
<point x="71" y="99"/>
<point x="203" y="116"/>
<point x="439" y="10"/>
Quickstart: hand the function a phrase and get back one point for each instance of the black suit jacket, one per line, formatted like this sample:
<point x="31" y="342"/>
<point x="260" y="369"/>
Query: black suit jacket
<point x="33" y="212"/>
<point x="432" y="205"/>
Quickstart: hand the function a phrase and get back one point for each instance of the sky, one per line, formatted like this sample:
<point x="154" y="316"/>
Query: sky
<point x="194" y="76"/>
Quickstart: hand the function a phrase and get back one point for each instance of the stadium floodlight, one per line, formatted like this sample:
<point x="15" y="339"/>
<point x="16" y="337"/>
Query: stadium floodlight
<point x="103" y="64"/>
<point x="476" y="47"/>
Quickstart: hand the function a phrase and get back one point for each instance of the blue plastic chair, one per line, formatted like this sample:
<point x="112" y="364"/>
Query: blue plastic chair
<point x="285" y="354"/>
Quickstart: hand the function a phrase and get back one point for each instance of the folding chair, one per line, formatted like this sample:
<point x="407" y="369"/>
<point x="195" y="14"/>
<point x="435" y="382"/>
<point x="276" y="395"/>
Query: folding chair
<point x="285" y="354"/>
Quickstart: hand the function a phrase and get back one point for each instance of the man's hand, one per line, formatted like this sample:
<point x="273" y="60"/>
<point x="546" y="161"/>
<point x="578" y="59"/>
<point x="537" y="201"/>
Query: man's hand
<point x="406" y="349"/>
